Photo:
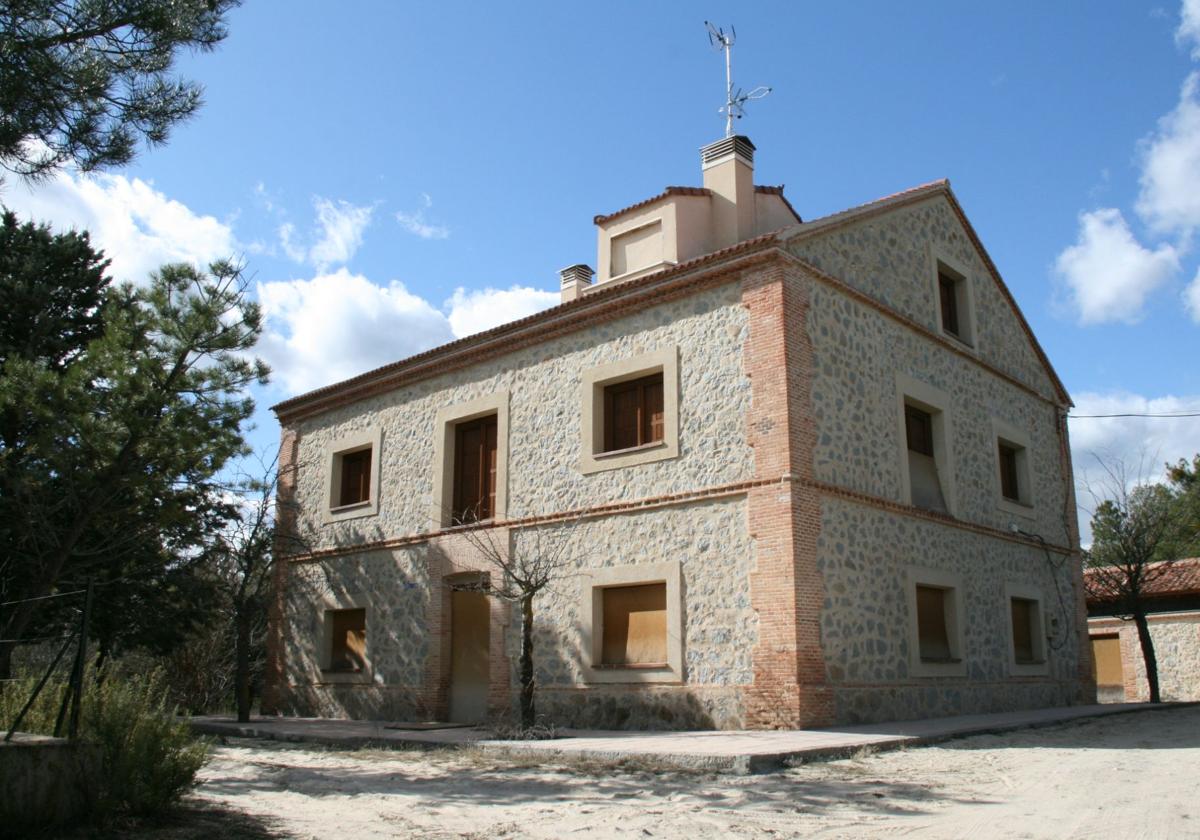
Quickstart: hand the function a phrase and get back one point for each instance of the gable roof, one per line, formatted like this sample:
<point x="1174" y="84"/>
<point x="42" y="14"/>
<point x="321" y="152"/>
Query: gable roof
<point x="646" y="202"/>
<point x="914" y="195"/>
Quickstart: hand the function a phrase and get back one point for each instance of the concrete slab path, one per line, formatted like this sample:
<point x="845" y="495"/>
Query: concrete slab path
<point x="740" y="751"/>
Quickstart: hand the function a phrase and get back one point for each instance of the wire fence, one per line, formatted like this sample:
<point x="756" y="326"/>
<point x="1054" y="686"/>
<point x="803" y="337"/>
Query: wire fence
<point x="69" y="709"/>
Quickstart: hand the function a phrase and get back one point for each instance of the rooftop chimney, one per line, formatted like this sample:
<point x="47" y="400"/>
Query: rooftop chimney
<point x="575" y="280"/>
<point x="728" y="166"/>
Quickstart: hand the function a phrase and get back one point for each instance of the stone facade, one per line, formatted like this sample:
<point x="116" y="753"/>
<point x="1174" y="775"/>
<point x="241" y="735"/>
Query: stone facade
<point x="783" y="515"/>
<point x="1176" y="638"/>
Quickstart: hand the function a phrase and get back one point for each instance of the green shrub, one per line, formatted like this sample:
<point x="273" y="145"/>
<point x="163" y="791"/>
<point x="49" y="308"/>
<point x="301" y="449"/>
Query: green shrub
<point x="148" y="758"/>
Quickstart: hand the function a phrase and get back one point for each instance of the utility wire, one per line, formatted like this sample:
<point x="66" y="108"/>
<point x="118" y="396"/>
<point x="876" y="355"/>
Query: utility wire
<point x="1097" y="416"/>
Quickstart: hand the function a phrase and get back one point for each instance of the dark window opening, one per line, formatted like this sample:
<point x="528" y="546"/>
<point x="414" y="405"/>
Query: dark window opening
<point x="1023" y="628"/>
<point x="356" y="478"/>
<point x="1010" y="485"/>
<point x="474" y="470"/>
<point x="925" y="486"/>
<point x="933" y="637"/>
<point x="633" y="413"/>
<point x="948" y="292"/>
<point x="348" y="640"/>
<point x="918" y="425"/>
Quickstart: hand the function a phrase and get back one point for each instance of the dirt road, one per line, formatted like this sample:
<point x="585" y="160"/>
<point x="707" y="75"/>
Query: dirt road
<point x="1127" y="776"/>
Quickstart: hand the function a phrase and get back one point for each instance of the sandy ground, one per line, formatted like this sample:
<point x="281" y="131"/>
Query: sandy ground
<point x="1127" y="776"/>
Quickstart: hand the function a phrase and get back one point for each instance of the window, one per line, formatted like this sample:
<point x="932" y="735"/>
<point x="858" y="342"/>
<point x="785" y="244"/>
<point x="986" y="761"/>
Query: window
<point x="347" y="640"/>
<point x="1013" y="482"/>
<point x="630" y="412"/>
<point x="925" y="487"/>
<point x="633" y="413"/>
<point x="352" y="476"/>
<point x="926" y="463"/>
<point x="935" y="623"/>
<point x="356" y="477"/>
<point x="632" y="624"/>
<point x="470" y="461"/>
<point x="1027" y="639"/>
<point x="932" y="635"/>
<point x="635" y="625"/>
<point x="475" y="470"/>
<point x="955" y="300"/>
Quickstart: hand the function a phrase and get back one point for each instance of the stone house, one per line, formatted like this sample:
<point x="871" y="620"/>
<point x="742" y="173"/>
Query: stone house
<point x="1173" y="615"/>
<point x="806" y="472"/>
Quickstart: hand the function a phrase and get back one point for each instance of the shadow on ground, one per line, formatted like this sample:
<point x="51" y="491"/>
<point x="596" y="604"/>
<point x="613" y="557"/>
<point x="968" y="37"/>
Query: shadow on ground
<point x="1177" y="727"/>
<point x="194" y="819"/>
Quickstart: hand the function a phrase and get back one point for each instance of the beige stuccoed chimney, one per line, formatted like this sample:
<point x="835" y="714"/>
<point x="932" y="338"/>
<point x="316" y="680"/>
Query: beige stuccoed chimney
<point x="728" y="166"/>
<point x="576" y="279"/>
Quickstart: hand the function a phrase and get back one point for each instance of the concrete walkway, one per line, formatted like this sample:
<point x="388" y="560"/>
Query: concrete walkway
<point x="740" y="751"/>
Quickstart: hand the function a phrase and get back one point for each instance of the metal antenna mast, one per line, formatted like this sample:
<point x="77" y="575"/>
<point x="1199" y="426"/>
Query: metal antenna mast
<point x="735" y="101"/>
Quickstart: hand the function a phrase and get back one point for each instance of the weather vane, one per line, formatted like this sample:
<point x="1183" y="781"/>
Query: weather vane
<point x="735" y="101"/>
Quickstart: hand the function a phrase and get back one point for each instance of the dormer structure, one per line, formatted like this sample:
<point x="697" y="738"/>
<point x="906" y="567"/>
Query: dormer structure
<point x="681" y="223"/>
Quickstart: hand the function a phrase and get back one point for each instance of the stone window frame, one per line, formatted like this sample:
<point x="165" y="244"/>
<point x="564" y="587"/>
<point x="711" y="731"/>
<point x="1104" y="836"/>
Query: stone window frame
<point x="333" y="602"/>
<point x="936" y="402"/>
<point x="1041" y="666"/>
<point x="941" y="262"/>
<point x="1018" y="439"/>
<point x="346" y="444"/>
<point x="594" y="582"/>
<point x="664" y="360"/>
<point x="443" y="454"/>
<point x="952" y="583"/>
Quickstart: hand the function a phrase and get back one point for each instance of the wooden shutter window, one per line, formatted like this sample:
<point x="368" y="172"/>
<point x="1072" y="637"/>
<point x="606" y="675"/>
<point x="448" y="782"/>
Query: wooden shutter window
<point x="635" y="625"/>
<point x="932" y="635"/>
<point x="633" y="413"/>
<point x="918" y="426"/>
<point x="1010" y="486"/>
<point x="1022" y="628"/>
<point x="948" y="292"/>
<point x="348" y="640"/>
<point x="356" y="477"/>
<point x="475" y="470"/>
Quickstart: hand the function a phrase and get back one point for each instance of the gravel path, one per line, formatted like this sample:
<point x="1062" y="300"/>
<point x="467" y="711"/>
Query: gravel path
<point x="1125" y="776"/>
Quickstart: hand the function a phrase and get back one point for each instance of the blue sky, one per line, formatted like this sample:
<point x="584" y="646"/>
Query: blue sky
<point x="396" y="175"/>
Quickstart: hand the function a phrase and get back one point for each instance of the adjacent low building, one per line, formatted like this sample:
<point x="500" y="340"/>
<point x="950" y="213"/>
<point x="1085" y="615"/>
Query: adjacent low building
<point x="802" y="472"/>
<point x="1172" y="601"/>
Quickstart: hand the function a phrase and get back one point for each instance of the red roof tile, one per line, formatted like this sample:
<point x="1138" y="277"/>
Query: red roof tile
<point x="647" y="202"/>
<point x="1181" y="577"/>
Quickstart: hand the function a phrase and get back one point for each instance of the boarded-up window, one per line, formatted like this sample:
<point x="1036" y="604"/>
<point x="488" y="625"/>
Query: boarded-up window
<point x="348" y="639"/>
<point x="635" y="625"/>
<point x="948" y="290"/>
<point x="1010" y="484"/>
<point x="1106" y="653"/>
<point x="924" y="484"/>
<point x="475" y="470"/>
<point x="633" y="413"/>
<point x="637" y="249"/>
<point x="356" y="477"/>
<point x="932" y="631"/>
<point x="1024" y="628"/>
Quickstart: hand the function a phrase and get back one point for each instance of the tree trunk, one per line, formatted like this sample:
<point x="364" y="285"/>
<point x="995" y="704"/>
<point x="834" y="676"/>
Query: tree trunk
<point x="528" y="715"/>
<point x="241" y="673"/>
<point x="1148" y="656"/>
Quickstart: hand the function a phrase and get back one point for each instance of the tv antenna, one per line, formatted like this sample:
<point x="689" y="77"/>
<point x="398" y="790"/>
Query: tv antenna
<point x="735" y="101"/>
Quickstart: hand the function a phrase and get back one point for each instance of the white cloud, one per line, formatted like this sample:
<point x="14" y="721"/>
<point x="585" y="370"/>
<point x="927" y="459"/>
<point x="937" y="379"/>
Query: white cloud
<point x="1169" y="200"/>
<point x="415" y="222"/>
<point x="339" y="235"/>
<point x="1191" y="298"/>
<point x="337" y="325"/>
<point x="1108" y="272"/>
<point x="1189" y="27"/>
<point x="478" y="310"/>
<point x="137" y="226"/>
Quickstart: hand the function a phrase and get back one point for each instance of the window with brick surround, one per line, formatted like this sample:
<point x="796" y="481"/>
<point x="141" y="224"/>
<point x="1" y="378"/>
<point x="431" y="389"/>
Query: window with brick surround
<point x="475" y="470"/>
<point x="635" y="625"/>
<point x="633" y="413"/>
<point x="347" y="640"/>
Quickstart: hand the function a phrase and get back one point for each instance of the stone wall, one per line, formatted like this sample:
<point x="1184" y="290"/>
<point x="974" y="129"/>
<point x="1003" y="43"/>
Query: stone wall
<point x="1177" y="649"/>
<point x="545" y="421"/>
<point x="863" y="554"/>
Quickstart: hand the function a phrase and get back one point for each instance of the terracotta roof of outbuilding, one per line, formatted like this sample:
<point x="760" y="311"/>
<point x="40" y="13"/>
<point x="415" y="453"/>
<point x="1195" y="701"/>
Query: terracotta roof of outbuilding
<point x="1182" y="577"/>
<point x="647" y="202"/>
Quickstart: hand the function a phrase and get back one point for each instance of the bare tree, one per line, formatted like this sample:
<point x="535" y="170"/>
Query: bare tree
<point x="1139" y="529"/>
<point x="521" y="574"/>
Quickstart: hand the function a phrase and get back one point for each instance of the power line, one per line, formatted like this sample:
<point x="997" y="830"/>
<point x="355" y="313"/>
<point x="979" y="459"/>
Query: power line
<point x="1133" y="414"/>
